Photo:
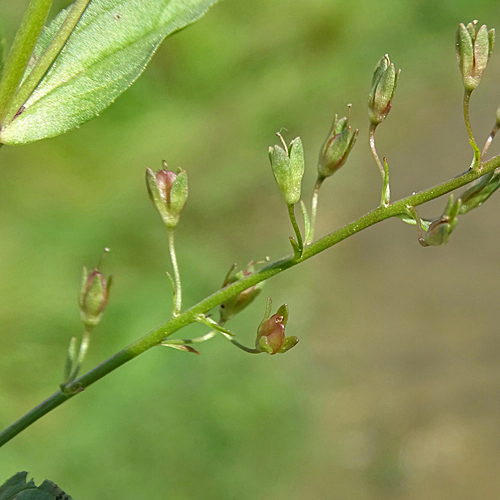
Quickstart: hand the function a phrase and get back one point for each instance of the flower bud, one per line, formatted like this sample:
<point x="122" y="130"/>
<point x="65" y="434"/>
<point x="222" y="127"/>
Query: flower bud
<point x="93" y="298"/>
<point x="473" y="48"/>
<point x="337" y="147"/>
<point x="479" y="192"/>
<point x="271" y="333"/>
<point x="440" y="230"/>
<point x="168" y="191"/>
<point x="384" y="82"/>
<point x="234" y="305"/>
<point x="287" y="164"/>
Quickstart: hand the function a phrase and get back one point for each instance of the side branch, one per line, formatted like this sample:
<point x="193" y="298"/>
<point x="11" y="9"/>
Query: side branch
<point x="155" y="337"/>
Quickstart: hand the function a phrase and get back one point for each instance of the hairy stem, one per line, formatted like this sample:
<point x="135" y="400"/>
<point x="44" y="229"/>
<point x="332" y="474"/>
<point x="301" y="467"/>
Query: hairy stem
<point x="189" y="316"/>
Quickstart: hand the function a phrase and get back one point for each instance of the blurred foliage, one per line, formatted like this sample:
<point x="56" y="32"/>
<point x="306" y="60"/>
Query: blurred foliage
<point x="392" y="392"/>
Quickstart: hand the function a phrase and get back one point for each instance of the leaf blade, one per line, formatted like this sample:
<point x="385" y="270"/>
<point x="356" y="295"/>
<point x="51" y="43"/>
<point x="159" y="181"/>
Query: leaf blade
<point x="109" y="49"/>
<point x="22" y="47"/>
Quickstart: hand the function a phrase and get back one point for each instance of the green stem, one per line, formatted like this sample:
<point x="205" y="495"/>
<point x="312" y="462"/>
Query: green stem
<point x="476" y="164"/>
<point x="177" y="276"/>
<point x="291" y="212"/>
<point x="155" y="337"/>
<point x="82" y="351"/>
<point x="211" y="334"/>
<point x="45" y="62"/>
<point x="314" y="206"/>
<point x="244" y="348"/>
<point x="373" y="149"/>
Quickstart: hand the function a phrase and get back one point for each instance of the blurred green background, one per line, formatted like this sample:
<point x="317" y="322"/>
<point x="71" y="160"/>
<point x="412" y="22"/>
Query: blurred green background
<point x="393" y="391"/>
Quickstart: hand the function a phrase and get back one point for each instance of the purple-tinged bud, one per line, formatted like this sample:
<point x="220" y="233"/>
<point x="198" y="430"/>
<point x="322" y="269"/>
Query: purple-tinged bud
<point x="336" y="148"/>
<point x="94" y="294"/>
<point x="168" y="191"/>
<point x="271" y="333"/>
<point x="234" y="305"/>
<point x="473" y="49"/>
<point x="384" y="82"/>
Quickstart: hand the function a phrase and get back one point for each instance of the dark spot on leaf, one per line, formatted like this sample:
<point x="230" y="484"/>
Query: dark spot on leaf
<point x="19" y="111"/>
<point x="118" y="17"/>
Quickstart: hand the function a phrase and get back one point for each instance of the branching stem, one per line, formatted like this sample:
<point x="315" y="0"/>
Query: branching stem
<point x="189" y="316"/>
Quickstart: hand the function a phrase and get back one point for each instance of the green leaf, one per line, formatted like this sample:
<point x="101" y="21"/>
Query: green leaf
<point x="22" y="47"/>
<point x="2" y="56"/>
<point x="16" y="488"/>
<point x="108" y="49"/>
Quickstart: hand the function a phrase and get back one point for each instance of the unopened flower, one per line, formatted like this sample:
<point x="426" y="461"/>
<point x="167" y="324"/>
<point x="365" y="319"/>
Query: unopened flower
<point x="94" y="294"/>
<point x="337" y="147"/>
<point x="287" y="164"/>
<point x="271" y="333"/>
<point x="168" y="191"/>
<point x="232" y="306"/>
<point x="473" y="48"/>
<point x="384" y="82"/>
<point x="440" y="229"/>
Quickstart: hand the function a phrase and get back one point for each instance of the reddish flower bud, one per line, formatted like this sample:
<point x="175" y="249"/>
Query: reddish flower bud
<point x="271" y="333"/>
<point x="168" y="191"/>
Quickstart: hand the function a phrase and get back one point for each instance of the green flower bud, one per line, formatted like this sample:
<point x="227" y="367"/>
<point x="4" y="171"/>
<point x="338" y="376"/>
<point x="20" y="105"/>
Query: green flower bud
<point x="234" y="305"/>
<point x="473" y="48"/>
<point x="168" y="191"/>
<point x="336" y="148"/>
<point x="271" y="333"/>
<point x="479" y="192"/>
<point x="287" y="164"/>
<point x="384" y="82"/>
<point x="94" y="294"/>
<point x="440" y="230"/>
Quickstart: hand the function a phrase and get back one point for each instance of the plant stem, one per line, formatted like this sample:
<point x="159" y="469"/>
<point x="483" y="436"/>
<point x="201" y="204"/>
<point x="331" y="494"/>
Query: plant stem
<point x="177" y="276"/>
<point x="155" y="337"/>
<point x="47" y="58"/>
<point x="477" y="152"/>
<point x="210" y="335"/>
<point x="314" y="206"/>
<point x="291" y="212"/>
<point x="373" y="149"/>
<point x="82" y="351"/>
